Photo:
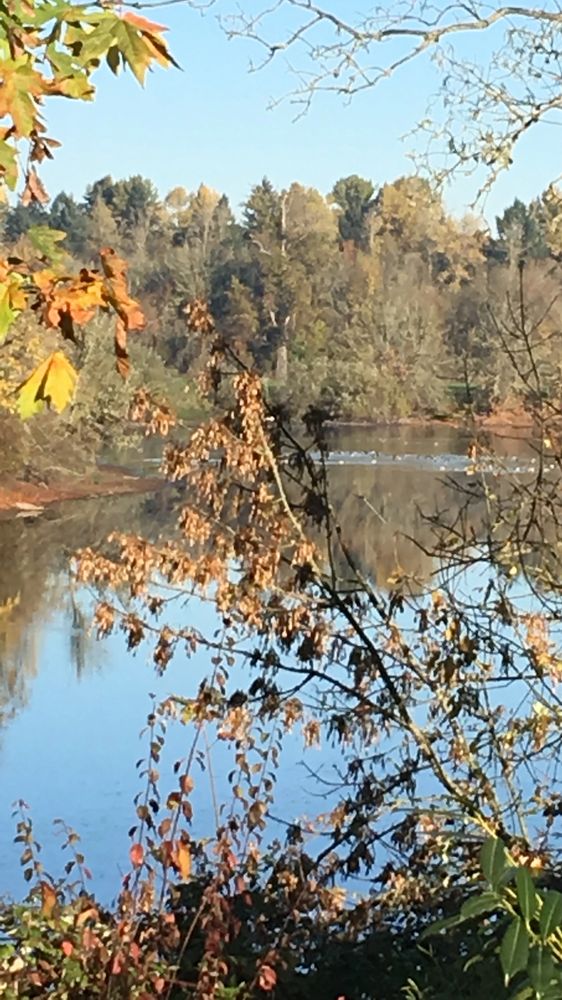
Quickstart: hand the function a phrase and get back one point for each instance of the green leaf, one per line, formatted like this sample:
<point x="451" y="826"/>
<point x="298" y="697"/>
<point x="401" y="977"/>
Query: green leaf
<point x="476" y="905"/>
<point x="526" y="895"/>
<point x="541" y="969"/>
<point x="46" y="242"/>
<point x="9" y="164"/>
<point x="134" y="50"/>
<point x="441" y="925"/>
<point x="525" y="993"/>
<point x="474" y="960"/>
<point x="551" y="913"/>
<point x="76" y="86"/>
<point x="12" y="301"/>
<point x="113" y="59"/>
<point x="514" y="949"/>
<point x="7" y="315"/>
<point x="94" y="43"/>
<point x="21" y="85"/>
<point x="493" y="860"/>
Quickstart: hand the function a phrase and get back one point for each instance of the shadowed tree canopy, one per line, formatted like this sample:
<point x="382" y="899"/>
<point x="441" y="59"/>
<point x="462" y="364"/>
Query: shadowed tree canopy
<point x="521" y="231"/>
<point x="263" y="214"/>
<point x="130" y="201"/>
<point x="354" y="197"/>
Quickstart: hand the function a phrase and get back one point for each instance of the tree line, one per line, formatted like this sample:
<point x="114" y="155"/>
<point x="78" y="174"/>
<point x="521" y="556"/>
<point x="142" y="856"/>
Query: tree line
<point x="370" y="303"/>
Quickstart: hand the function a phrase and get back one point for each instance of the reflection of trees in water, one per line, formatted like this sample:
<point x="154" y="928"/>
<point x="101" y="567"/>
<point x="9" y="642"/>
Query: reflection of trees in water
<point x="394" y="516"/>
<point x="382" y="510"/>
<point x="35" y="582"/>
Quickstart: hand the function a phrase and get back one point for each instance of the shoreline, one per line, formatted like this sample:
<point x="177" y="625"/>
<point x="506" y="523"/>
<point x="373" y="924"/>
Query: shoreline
<point x="501" y="421"/>
<point x="22" y="499"/>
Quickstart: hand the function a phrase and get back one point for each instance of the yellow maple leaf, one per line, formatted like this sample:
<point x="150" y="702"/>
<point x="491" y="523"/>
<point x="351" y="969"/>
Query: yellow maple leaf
<point x="53" y="382"/>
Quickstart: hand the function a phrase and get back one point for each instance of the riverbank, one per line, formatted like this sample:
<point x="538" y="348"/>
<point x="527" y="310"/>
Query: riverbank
<point x="501" y="420"/>
<point x="20" y="498"/>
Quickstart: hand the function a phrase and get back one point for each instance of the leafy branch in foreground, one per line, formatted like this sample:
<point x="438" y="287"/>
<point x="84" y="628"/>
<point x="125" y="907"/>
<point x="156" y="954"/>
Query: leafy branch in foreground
<point x="529" y="918"/>
<point x="410" y="683"/>
<point x="52" y="48"/>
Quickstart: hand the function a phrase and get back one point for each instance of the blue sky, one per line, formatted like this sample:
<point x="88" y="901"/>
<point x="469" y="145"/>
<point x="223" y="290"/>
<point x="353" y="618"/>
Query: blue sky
<point x="212" y="123"/>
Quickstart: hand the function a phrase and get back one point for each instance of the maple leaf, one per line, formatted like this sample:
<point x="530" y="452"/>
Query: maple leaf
<point x="66" y="302"/>
<point x="46" y="242"/>
<point x="76" y="86"/>
<point x="20" y="86"/>
<point x="52" y="383"/>
<point x="140" y="43"/>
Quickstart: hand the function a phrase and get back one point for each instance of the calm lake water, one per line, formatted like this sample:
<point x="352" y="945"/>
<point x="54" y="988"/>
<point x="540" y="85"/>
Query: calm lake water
<point x="72" y="708"/>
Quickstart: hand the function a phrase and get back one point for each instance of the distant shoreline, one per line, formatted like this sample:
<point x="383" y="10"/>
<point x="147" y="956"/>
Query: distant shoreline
<point x="502" y="420"/>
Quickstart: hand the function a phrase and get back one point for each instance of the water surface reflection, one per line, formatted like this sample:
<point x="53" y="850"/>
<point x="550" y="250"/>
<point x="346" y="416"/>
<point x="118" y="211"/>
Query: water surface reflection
<point x="71" y="708"/>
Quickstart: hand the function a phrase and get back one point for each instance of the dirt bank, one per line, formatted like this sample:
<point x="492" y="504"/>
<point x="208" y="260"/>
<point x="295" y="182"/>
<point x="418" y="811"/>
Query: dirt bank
<point x="27" y="499"/>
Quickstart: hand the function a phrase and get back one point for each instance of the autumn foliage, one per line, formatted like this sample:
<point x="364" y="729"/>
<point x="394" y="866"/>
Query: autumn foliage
<point x="445" y="785"/>
<point x="53" y="50"/>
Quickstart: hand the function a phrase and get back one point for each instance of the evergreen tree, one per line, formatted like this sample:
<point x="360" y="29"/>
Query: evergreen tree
<point x="354" y="197"/>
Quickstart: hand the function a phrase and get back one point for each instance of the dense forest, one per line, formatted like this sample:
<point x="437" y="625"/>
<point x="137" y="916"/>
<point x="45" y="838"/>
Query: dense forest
<point x="371" y="303"/>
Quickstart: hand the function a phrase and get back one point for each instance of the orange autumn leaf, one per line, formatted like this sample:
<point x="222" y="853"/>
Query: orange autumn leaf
<point x="69" y="303"/>
<point x="22" y="88"/>
<point x="67" y="948"/>
<point x="90" y="913"/>
<point x="143" y="24"/>
<point x="141" y="44"/>
<point x="45" y="280"/>
<point x="136" y="855"/>
<point x="52" y="383"/>
<point x="182" y="860"/>
<point x="117" y="290"/>
<point x="48" y="899"/>
<point x="129" y="314"/>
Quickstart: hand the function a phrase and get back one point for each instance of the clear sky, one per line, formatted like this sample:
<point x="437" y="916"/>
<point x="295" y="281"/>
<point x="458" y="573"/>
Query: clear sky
<point x="211" y="123"/>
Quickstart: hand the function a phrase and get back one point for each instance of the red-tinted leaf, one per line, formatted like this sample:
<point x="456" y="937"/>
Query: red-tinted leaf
<point x="267" y="978"/>
<point x="136" y="855"/>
